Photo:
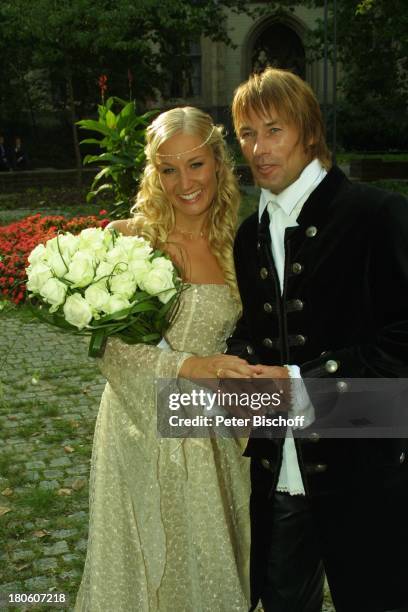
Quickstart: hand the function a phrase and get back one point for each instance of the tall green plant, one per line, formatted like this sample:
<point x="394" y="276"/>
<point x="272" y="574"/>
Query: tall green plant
<point x="122" y="158"/>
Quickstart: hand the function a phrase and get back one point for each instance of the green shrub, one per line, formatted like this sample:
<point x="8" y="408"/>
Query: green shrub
<point x="122" y="158"/>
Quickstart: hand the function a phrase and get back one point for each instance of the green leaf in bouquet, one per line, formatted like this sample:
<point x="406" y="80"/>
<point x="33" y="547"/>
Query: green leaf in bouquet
<point x="97" y="343"/>
<point x="114" y="316"/>
<point x="151" y="338"/>
<point x="56" y="319"/>
<point x="168" y="306"/>
<point x="145" y="307"/>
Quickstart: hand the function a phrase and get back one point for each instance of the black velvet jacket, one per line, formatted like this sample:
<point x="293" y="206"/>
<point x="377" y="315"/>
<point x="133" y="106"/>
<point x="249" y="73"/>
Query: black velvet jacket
<point x="343" y="313"/>
<point x="344" y="308"/>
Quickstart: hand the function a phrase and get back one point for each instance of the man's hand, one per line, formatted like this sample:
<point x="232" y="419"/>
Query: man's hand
<point x="281" y="380"/>
<point x="265" y="371"/>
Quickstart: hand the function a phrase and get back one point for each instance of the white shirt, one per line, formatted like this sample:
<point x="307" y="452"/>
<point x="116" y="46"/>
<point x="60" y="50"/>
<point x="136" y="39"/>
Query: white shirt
<point x="284" y="209"/>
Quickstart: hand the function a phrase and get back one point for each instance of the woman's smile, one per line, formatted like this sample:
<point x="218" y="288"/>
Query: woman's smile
<point x="191" y="197"/>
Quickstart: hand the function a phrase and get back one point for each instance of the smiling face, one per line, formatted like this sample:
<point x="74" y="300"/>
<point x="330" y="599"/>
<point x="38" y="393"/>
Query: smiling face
<point x="273" y="149"/>
<point x="187" y="178"/>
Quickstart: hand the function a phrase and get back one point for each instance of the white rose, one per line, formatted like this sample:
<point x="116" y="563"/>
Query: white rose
<point x="159" y="282"/>
<point x="69" y="243"/>
<point x="115" y="304"/>
<point x="103" y="271"/>
<point x="163" y="263"/>
<point x="77" y="311"/>
<point x="167" y="295"/>
<point x="136" y="247"/>
<point x="123" y="284"/>
<point x="37" y="276"/>
<point x="90" y="235"/>
<point x="53" y="292"/>
<point x="139" y="268"/>
<point x="97" y="296"/>
<point x="81" y="270"/>
<point x="117" y="257"/>
<point x="92" y="239"/>
<point x="107" y="238"/>
<point x="66" y="243"/>
<point x="38" y="254"/>
<point x="58" y="265"/>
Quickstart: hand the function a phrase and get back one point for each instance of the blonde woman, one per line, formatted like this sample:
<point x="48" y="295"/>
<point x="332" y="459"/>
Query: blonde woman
<point x="169" y="517"/>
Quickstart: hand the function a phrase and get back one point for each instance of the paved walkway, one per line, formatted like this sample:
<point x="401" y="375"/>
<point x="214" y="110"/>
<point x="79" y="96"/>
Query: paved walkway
<point x="49" y="396"/>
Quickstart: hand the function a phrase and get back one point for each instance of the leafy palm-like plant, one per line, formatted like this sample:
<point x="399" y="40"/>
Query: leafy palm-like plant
<point x="122" y="157"/>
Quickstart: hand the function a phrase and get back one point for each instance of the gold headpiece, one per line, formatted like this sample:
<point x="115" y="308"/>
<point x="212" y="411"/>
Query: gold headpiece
<point x="178" y="155"/>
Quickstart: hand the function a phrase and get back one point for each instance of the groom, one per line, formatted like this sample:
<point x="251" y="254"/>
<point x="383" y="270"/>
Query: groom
<point x="322" y="269"/>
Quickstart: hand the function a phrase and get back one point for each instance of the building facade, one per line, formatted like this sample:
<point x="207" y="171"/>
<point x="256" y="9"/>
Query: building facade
<point x="276" y="39"/>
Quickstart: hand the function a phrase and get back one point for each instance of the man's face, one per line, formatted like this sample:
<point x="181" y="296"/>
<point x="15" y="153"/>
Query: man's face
<point x="273" y="149"/>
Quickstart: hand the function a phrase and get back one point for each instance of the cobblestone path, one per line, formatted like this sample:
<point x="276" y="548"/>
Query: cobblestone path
<point x="49" y="396"/>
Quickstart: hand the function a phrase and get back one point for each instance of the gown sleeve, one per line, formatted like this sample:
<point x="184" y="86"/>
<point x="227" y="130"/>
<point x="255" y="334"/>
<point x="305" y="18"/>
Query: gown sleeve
<point x="128" y="368"/>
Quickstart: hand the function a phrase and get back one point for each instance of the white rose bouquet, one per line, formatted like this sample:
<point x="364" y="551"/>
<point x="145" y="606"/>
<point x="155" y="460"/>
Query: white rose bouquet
<point x="102" y="283"/>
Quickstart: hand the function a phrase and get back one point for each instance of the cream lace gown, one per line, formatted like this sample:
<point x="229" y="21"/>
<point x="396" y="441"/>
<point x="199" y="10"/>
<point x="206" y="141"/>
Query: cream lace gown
<point x="169" y="518"/>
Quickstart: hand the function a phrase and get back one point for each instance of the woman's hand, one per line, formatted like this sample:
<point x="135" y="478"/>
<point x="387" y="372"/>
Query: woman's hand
<point x="217" y="366"/>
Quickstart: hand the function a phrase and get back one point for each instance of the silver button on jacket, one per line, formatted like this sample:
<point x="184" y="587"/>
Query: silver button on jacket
<point x="267" y="342"/>
<point x="341" y="386"/>
<point x="297" y="305"/>
<point x="331" y="366"/>
<point x="311" y="231"/>
<point x="297" y="267"/>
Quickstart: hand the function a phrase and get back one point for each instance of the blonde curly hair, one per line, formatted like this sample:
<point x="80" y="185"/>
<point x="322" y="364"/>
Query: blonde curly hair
<point x="153" y="213"/>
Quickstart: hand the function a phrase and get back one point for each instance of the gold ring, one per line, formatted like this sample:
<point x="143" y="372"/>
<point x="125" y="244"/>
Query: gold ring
<point x="219" y="372"/>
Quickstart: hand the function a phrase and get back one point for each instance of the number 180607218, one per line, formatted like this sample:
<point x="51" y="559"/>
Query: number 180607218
<point x="54" y="599"/>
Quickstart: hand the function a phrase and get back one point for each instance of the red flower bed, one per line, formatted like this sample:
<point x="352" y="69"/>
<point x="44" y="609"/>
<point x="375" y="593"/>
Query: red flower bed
<point x="18" y="239"/>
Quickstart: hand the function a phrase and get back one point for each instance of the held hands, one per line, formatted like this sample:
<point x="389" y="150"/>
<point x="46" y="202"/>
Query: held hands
<point x="214" y="367"/>
<point x="229" y="367"/>
<point x="272" y="372"/>
<point x="218" y="366"/>
<point x="281" y="378"/>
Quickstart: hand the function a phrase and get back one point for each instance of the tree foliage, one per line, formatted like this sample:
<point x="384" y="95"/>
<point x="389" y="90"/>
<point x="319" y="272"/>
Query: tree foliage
<point x="372" y="45"/>
<point x="69" y="43"/>
<point x="372" y="53"/>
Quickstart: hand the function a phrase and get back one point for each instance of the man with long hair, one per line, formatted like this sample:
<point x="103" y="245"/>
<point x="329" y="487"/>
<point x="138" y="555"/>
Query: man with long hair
<point x="322" y="269"/>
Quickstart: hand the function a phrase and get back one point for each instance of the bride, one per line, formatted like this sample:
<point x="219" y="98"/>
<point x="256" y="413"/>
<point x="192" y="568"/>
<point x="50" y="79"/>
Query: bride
<point x="169" y="526"/>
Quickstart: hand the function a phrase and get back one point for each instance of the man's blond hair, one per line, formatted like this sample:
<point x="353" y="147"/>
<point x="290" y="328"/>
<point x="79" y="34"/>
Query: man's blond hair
<point x="282" y="92"/>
